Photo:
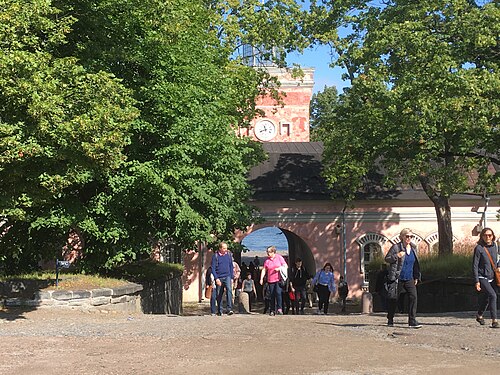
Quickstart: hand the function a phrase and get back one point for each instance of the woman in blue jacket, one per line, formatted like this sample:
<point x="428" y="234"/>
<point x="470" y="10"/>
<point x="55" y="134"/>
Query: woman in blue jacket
<point x="324" y="283"/>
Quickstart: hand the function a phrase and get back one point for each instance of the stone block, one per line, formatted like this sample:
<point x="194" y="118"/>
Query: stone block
<point x="244" y="303"/>
<point x="81" y="294"/>
<point x="130" y="288"/>
<point x="99" y="301"/>
<point x="121" y="299"/>
<point x="62" y="295"/>
<point x="13" y="302"/>
<point x="43" y="295"/>
<point x="103" y="292"/>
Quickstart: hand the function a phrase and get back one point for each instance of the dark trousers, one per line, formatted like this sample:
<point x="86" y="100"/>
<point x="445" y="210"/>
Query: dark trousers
<point x="487" y="298"/>
<point x="250" y="296"/>
<point x="408" y="287"/>
<point x="324" y="298"/>
<point x="300" y="296"/>
<point x="344" y="300"/>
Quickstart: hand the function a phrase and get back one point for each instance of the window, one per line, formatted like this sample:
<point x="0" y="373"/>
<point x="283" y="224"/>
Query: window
<point x="371" y="247"/>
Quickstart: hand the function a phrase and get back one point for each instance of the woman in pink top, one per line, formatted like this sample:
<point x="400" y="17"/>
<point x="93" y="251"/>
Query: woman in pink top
<point x="271" y="268"/>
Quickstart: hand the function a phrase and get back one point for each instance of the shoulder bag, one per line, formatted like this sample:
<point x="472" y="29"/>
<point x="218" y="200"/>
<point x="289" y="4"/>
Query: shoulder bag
<point x="493" y="265"/>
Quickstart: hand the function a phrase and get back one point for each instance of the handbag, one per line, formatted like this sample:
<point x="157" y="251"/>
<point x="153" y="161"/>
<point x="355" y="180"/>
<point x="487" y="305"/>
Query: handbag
<point x="208" y="291"/>
<point x="391" y="288"/>
<point x="316" y="286"/>
<point x="495" y="269"/>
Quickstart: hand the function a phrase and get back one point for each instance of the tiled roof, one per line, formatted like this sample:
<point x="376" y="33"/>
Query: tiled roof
<point x="293" y="172"/>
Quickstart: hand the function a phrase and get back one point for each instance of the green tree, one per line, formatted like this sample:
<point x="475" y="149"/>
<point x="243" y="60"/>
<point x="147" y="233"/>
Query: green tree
<point x="61" y="128"/>
<point x="177" y="171"/>
<point x="185" y="175"/>
<point x="423" y="104"/>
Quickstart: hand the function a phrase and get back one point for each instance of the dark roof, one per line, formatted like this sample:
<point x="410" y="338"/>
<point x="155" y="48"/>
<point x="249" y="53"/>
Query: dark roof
<point x="293" y="172"/>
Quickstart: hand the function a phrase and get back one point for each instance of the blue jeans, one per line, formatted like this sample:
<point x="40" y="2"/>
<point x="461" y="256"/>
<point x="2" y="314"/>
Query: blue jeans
<point x="213" y="299"/>
<point x="487" y="298"/>
<point x="225" y="285"/>
<point x="276" y="299"/>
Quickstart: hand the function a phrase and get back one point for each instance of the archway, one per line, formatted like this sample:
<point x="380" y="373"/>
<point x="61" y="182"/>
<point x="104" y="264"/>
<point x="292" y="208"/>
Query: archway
<point x="297" y="248"/>
<point x="291" y="246"/>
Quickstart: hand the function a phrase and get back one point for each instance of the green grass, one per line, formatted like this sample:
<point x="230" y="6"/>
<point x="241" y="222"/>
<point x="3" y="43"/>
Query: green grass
<point x="144" y="270"/>
<point x="68" y="281"/>
<point x="453" y="265"/>
<point x="147" y="270"/>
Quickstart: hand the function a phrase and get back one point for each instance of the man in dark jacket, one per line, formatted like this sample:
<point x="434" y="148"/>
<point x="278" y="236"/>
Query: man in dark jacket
<point x="405" y="270"/>
<point x="298" y="281"/>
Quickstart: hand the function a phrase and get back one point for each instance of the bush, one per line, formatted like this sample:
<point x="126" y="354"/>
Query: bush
<point x="147" y="270"/>
<point x="433" y="266"/>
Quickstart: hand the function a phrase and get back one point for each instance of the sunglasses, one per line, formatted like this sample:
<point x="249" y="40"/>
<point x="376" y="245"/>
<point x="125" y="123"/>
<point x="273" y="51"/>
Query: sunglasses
<point x="488" y="234"/>
<point x="409" y="236"/>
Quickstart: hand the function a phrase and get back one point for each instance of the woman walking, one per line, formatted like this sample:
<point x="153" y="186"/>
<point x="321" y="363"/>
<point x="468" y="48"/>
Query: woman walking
<point x="324" y="282"/>
<point x="271" y="269"/>
<point x="485" y="259"/>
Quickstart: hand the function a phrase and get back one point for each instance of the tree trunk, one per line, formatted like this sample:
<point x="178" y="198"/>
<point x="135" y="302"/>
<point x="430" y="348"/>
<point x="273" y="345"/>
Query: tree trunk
<point x="443" y="216"/>
<point x="445" y="232"/>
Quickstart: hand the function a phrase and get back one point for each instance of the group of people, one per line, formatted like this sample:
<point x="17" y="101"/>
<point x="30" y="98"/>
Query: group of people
<point x="403" y="274"/>
<point x="401" y="277"/>
<point x="223" y="275"/>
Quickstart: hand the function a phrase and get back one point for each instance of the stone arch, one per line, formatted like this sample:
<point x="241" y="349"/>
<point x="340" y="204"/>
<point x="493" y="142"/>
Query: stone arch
<point x="416" y="239"/>
<point x="432" y="239"/>
<point x="297" y="248"/>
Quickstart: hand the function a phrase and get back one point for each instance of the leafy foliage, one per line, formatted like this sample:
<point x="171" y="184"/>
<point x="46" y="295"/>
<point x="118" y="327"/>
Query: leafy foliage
<point x="61" y="128"/>
<point x="423" y="103"/>
<point x="117" y="121"/>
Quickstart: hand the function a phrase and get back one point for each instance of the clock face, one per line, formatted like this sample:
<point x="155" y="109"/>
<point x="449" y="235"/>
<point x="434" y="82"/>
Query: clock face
<point x="265" y="130"/>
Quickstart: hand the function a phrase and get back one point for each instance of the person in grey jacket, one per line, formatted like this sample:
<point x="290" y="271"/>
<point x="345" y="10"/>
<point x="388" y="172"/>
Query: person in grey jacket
<point x="484" y="275"/>
<point x="405" y="269"/>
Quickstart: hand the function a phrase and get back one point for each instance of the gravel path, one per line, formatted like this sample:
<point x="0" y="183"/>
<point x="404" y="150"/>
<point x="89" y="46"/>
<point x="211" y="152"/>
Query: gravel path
<point x="50" y="341"/>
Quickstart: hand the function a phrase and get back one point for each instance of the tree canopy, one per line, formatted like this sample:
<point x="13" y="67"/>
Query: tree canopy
<point x="424" y="101"/>
<point x="117" y="121"/>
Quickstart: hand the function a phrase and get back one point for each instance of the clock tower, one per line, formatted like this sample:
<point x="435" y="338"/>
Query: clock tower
<point x="288" y="122"/>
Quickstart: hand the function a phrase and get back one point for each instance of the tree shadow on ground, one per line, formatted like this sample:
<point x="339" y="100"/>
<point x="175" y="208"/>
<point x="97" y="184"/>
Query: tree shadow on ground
<point x="13" y="314"/>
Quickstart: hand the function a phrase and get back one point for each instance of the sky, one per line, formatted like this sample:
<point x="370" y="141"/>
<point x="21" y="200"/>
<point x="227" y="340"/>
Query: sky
<point x="319" y="58"/>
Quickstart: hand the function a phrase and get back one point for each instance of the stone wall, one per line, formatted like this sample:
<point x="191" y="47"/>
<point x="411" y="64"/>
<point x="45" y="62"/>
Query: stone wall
<point x="23" y="293"/>
<point x="163" y="296"/>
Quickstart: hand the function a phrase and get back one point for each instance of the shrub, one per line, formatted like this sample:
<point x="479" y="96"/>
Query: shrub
<point x="458" y="264"/>
<point x="147" y="270"/>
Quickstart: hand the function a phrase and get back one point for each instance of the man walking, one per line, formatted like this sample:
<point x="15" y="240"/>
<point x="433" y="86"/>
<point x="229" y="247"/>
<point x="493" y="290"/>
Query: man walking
<point x="223" y="272"/>
<point x="298" y="281"/>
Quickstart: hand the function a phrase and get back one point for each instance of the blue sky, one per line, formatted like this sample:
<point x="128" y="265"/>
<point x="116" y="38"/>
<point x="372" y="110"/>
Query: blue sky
<point x="319" y="58"/>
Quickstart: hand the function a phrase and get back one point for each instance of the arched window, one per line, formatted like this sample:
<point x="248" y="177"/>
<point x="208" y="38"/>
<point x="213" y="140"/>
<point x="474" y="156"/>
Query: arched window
<point x="371" y="245"/>
<point x="433" y="242"/>
<point x="416" y="239"/>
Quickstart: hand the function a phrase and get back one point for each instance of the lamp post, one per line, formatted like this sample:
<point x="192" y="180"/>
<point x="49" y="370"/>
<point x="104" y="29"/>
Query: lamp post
<point x="486" y="203"/>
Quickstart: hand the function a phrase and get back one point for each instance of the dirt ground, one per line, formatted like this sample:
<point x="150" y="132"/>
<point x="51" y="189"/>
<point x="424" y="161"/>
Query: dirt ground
<point x="59" y="341"/>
